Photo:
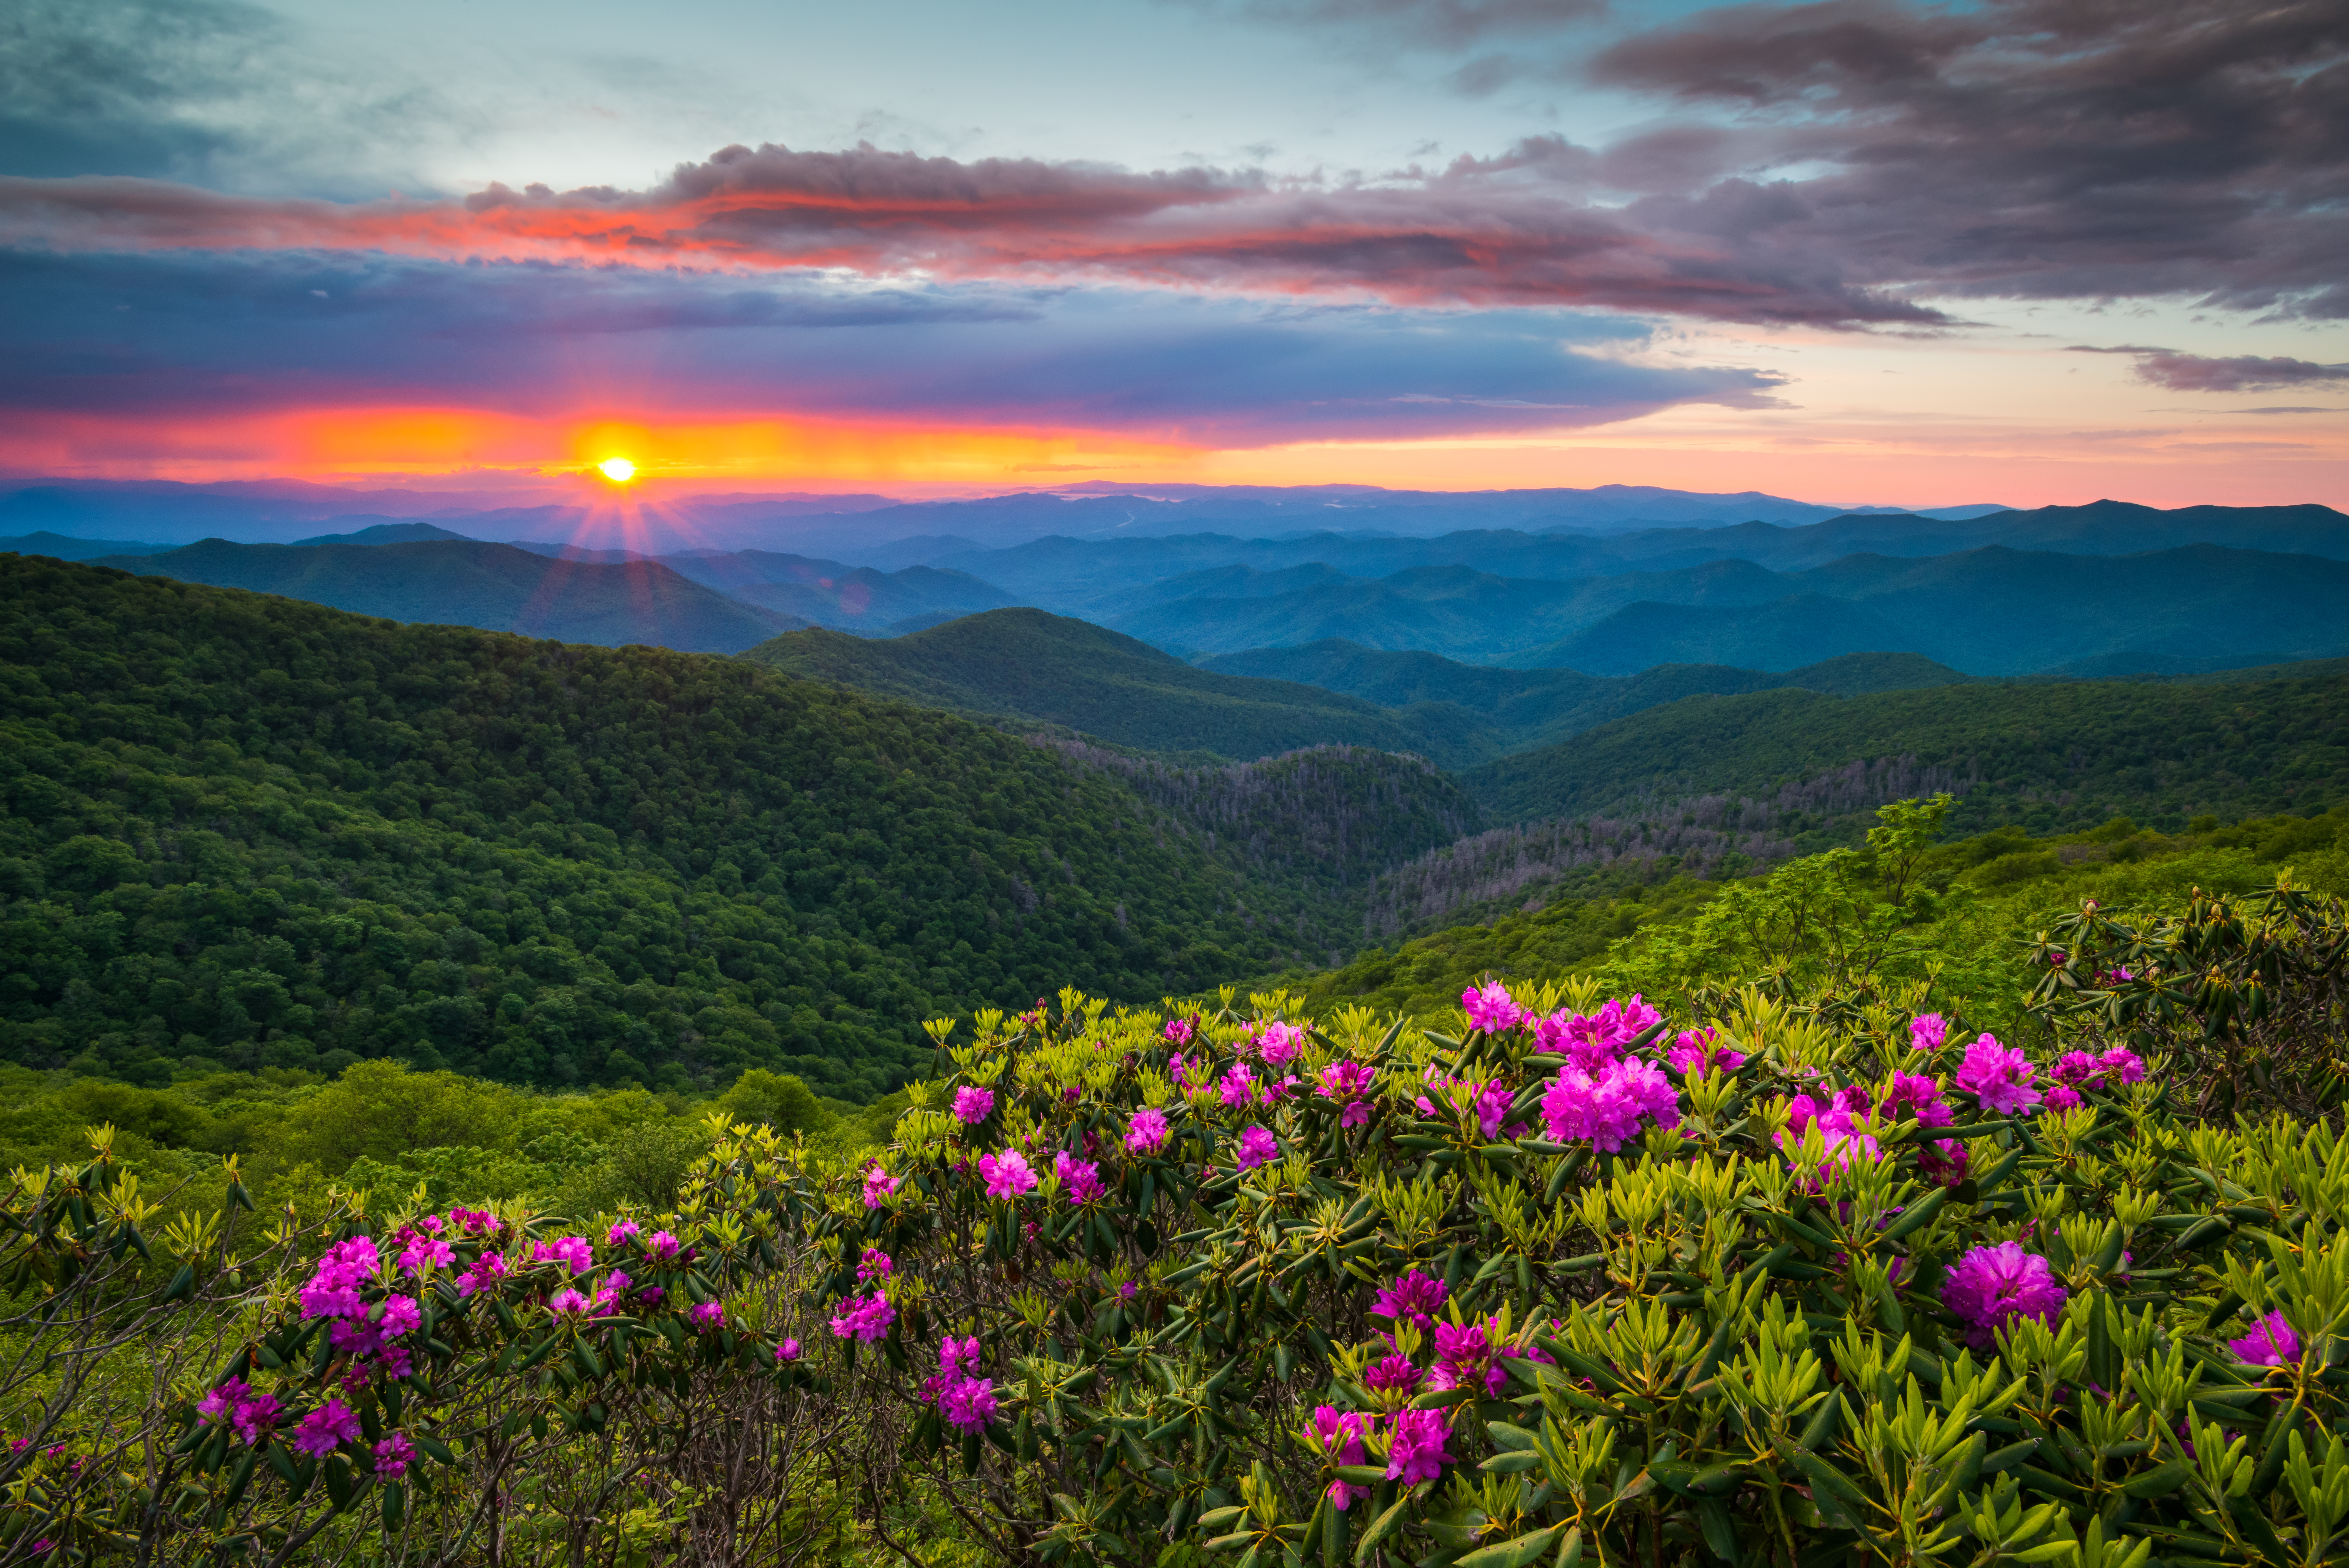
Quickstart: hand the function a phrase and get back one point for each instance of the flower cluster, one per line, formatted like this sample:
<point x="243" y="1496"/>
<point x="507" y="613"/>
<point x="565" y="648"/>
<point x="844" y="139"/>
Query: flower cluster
<point x="973" y="1105"/>
<point x="234" y="1405"/>
<point x="1695" y="1052"/>
<point x="1007" y="1175"/>
<point x="1594" y="1041"/>
<point x="1146" y="1132"/>
<point x="1080" y="1178"/>
<point x="2076" y="1070"/>
<point x="1990" y="1288"/>
<point x="2270" y="1343"/>
<point x="1348" y="1084"/>
<point x="864" y="1318"/>
<point x="1607" y="1107"/>
<point x="1278" y="1044"/>
<point x="964" y="1400"/>
<point x="1341" y="1433"/>
<point x="1413" y="1298"/>
<point x="1257" y="1147"/>
<point x="878" y="1186"/>
<point x="1491" y="1008"/>
<point x="1998" y="1076"/>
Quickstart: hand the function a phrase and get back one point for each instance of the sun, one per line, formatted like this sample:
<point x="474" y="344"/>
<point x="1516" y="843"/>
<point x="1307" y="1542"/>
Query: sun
<point x="619" y="471"/>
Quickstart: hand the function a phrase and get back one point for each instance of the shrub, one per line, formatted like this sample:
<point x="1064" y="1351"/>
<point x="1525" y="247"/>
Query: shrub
<point x="1568" y="1283"/>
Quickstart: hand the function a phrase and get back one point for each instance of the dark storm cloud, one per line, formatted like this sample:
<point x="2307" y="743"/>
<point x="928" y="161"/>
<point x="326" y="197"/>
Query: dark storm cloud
<point x="161" y="336"/>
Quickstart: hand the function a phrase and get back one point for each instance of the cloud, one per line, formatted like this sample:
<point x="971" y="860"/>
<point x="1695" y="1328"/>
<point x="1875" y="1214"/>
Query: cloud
<point x="159" y="336"/>
<point x="2180" y="372"/>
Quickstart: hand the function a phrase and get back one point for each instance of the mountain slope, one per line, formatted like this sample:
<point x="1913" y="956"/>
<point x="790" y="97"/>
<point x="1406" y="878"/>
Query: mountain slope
<point x="493" y="586"/>
<point x="2049" y="756"/>
<point x="1028" y="665"/>
<point x="241" y="831"/>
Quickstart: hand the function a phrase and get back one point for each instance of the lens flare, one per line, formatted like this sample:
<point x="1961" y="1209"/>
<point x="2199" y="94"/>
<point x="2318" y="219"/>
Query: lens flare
<point x="619" y="471"/>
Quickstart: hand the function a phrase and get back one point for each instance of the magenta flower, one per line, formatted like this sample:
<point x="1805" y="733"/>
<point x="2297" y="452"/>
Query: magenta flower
<point x="325" y="1429"/>
<point x="1257" y="1147"/>
<point x="874" y="1265"/>
<point x="968" y="1406"/>
<point x="708" y="1315"/>
<point x="401" y="1317"/>
<point x="334" y="1287"/>
<point x="1607" y="1110"/>
<point x="1081" y="1179"/>
<point x="1178" y="1031"/>
<point x="1341" y="1433"/>
<point x="1417" y="1450"/>
<point x="663" y="1246"/>
<point x="788" y="1351"/>
<point x="256" y="1417"/>
<point x="864" y="1318"/>
<point x="1926" y="1031"/>
<point x="1491" y="1007"/>
<point x="1280" y="1043"/>
<point x="1147" y="1133"/>
<point x="1394" y="1375"/>
<point x="568" y="1301"/>
<point x="573" y="1252"/>
<point x="2062" y="1097"/>
<point x="1997" y="1075"/>
<point x="1593" y="1041"/>
<point x="1915" y="1096"/>
<point x="973" y="1105"/>
<point x="1464" y="1357"/>
<point x="426" y="1253"/>
<point x="2270" y="1343"/>
<point x="1695" y="1052"/>
<point x="1007" y="1175"/>
<point x="621" y="1231"/>
<point x="2122" y="1065"/>
<point x="878" y="1185"/>
<point x="1992" y="1286"/>
<point x="1415" y="1297"/>
<point x="219" y="1405"/>
<point x="1943" y="1162"/>
<point x="393" y="1456"/>
<point x="959" y="1358"/>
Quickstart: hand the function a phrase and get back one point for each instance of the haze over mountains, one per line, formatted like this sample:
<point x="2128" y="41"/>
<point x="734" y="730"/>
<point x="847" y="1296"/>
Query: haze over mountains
<point x="2105" y="589"/>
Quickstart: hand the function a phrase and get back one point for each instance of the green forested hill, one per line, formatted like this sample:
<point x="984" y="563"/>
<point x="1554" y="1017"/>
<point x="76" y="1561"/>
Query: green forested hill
<point x="1027" y="664"/>
<point x="243" y="830"/>
<point x="466" y="583"/>
<point x="1529" y="706"/>
<point x="2049" y="757"/>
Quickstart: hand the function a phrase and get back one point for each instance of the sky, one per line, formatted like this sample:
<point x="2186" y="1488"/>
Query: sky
<point x="2028" y="251"/>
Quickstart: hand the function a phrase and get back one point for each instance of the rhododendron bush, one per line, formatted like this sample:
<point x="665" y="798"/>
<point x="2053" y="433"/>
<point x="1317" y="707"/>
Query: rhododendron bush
<point x="1570" y="1280"/>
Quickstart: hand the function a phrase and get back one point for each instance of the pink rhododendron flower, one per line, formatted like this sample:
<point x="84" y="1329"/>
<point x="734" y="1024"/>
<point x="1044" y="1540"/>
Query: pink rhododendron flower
<point x="1608" y="1109"/>
<point x="864" y="1318"/>
<point x="1007" y="1175"/>
<point x="1147" y="1133"/>
<point x="621" y="1231"/>
<point x="788" y="1350"/>
<point x="1080" y="1178"/>
<point x="1415" y="1297"/>
<point x="219" y="1405"/>
<point x="1464" y="1357"/>
<point x="1943" y="1162"/>
<point x="1280" y="1043"/>
<point x="573" y="1252"/>
<point x="1915" y="1097"/>
<point x="426" y="1253"/>
<point x="1926" y="1031"/>
<point x="1240" y="1089"/>
<point x="878" y="1185"/>
<point x="1491" y="1007"/>
<point x="1417" y="1449"/>
<point x="708" y="1315"/>
<point x="1257" y="1147"/>
<point x="1179" y="1031"/>
<point x="2270" y="1343"/>
<point x="256" y="1417"/>
<point x="568" y="1301"/>
<point x="324" y="1429"/>
<point x="973" y="1105"/>
<point x="1348" y="1084"/>
<point x="959" y="1358"/>
<point x="1341" y="1433"/>
<point x="334" y="1287"/>
<point x="1695" y="1052"/>
<point x="662" y="1246"/>
<point x="1392" y="1375"/>
<point x="487" y="1270"/>
<point x="393" y="1456"/>
<point x="2062" y="1097"/>
<point x="1992" y="1286"/>
<point x="970" y="1405"/>
<point x="401" y="1317"/>
<point x="873" y="1265"/>
<point x="1998" y="1077"/>
<point x="2122" y="1065"/>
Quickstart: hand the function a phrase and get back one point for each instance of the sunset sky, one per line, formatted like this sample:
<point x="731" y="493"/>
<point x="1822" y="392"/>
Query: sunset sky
<point x="2018" y="251"/>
